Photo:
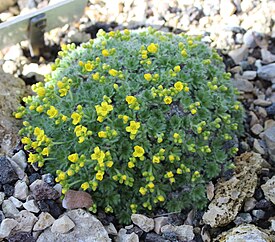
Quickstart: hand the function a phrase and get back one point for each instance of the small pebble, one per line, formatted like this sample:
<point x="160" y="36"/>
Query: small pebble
<point x="259" y="214"/>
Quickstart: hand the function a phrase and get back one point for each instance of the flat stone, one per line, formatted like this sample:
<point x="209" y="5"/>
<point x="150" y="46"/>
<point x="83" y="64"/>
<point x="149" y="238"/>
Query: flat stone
<point x="244" y="233"/>
<point x="257" y="129"/>
<point x="87" y="228"/>
<point x="7" y="174"/>
<point x="269" y="189"/>
<point x="9" y="209"/>
<point x="77" y="199"/>
<point x="7" y="225"/>
<point x="45" y="220"/>
<point x="183" y="232"/>
<point x="267" y="56"/>
<point x="37" y="182"/>
<point x="243" y="85"/>
<point x="62" y="225"/>
<point x="31" y="206"/>
<point x="257" y="147"/>
<point x="26" y="221"/>
<point x="21" y="190"/>
<point x="267" y="72"/>
<point x="249" y="75"/>
<point x="160" y="222"/>
<point x="145" y="223"/>
<point x="111" y="229"/>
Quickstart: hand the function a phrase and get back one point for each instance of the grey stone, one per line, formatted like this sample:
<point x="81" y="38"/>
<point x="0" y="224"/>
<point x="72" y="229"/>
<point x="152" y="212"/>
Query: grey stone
<point x="267" y="72"/>
<point x="242" y="85"/>
<point x="45" y="220"/>
<point x="160" y="222"/>
<point x="25" y="220"/>
<point x="7" y="225"/>
<point x="2" y="197"/>
<point x="239" y="54"/>
<point x="111" y="229"/>
<point x="7" y="174"/>
<point x="249" y="204"/>
<point x="262" y="102"/>
<point x="152" y="237"/>
<point x="269" y="123"/>
<point x="43" y="191"/>
<point x="249" y="40"/>
<point x="87" y="228"/>
<point x="31" y="206"/>
<point x="269" y="189"/>
<point x="267" y="56"/>
<point x="243" y="218"/>
<point x="183" y="232"/>
<point x="9" y="209"/>
<point x="269" y="138"/>
<point x="257" y="129"/>
<point x="145" y="223"/>
<point x="18" y="170"/>
<point x="20" y="159"/>
<point x="21" y="190"/>
<point x="249" y="75"/>
<point x="62" y="225"/>
<point x="258" y="213"/>
<point x="257" y="147"/>
<point x="16" y="202"/>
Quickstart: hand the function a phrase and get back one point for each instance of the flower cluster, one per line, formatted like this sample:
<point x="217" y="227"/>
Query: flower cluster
<point x="137" y="119"/>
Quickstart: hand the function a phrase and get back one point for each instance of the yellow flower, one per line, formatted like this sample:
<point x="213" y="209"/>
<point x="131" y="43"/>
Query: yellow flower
<point x="85" y="186"/>
<point x="169" y="174"/>
<point x="89" y="67"/>
<point x="178" y="86"/>
<point x="102" y="134"/>
<point x="151" y="185"/>
<point x="18" y="115"/>
<point x="32" y="158"/>
<point x="41" y="91"/>
<point x="109" y="163"/>
<point x="177" y="69"/>
<point x="125" y="119"/>
<point x="171" y="158"/>
<point x="186" y="89"/>
<point x="26" y="140"/>
<point x="176" y="135"/>
<point x="168" y="100"/>
<point x="193" y="111"/>
<point x="45" y="151"/>
<point x="184" y="53"/>
<point x="113" y="72"/>
<point x="161" y="198"/>
<point x="73" y="157"/>
<point x="139" y="151"/>
<point x="60" y="84"/>
<point x="99" y="175"/>
<point x="152" y="48"/>
<point x="131" y="164"/>
<point x="142" y="190"/>
<point x="131" y="99"/>
<point x="105" y="53"/>
<point x="148" y="77"/>
<point x="76" y="118"/>
<point x="52" y="112"/>
<point x="98" y="155"/>
<point x="133" y="127"/>
<point x="39" y="109"/>
<point x="156" y="159"/>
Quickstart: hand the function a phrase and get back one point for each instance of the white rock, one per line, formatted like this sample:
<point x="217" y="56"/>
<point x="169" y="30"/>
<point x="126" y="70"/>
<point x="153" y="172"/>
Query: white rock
<point x="18" y="170"/>
<point x="2" y="197"/>
<point x="37" y="182"/>
<point x="20" y="159"/>
<point x="145" y="223"/>
<point x="160" y="222"/>
<point x="238" y="54"/>
<point x="184" y="232"/>
<point x="249" y="75"/>
<point x="45" y="220"/>
<point x="6" y="4"/>
<point x="9" y="209"/>
<point x="62" y="225"/>
<point x="25" y="220"/>
<point x="16" y="202"/>
<point x="87" y="228"/>
<point x="124" y="237"/>
<point x="14" y="53"/>
<point x="267" y="56"/>
<point x="269" y="189"/>
<point x="9" y="67"/>
<point x="111" y="229"/>
<point x="7" y="225"/>
<point x="58" y="188"/>
<point x="31" y="206"/>
<point x="21" y="190"/>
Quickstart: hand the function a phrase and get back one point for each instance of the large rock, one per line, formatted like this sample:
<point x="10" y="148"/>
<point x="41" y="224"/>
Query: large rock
<point x="7" y="225"/>
<point x="26" y="221"/>
<point x="230" y="195"/>
<point x="244" y="233"/>
<point x="87" y="228"/>
<point x="11" y="91"/>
